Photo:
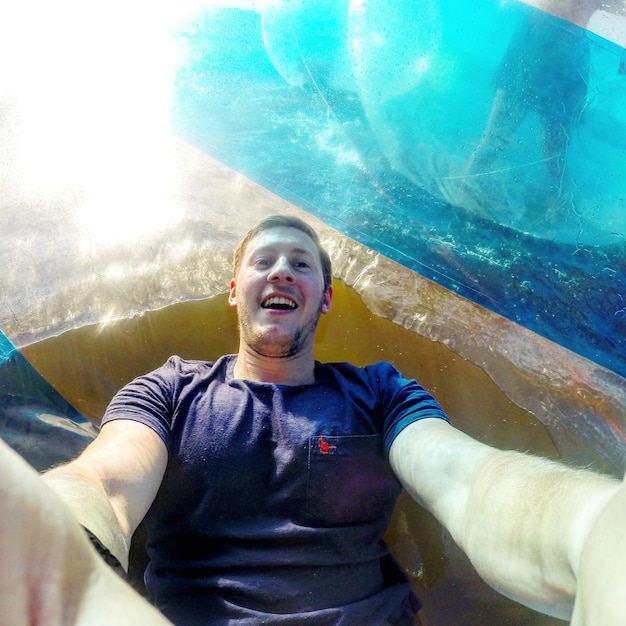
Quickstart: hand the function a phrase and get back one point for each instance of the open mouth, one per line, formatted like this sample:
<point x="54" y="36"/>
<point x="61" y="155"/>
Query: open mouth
<point x="279" y="303"/>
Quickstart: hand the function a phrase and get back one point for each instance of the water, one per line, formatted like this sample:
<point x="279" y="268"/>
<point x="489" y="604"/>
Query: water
<point x="376" y="143"/>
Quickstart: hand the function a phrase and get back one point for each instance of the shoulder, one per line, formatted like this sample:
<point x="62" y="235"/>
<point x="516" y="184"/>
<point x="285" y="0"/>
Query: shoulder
<point x="182" y="365"/>
<point x="154" y="396"/>
<point x="373" y="372"/>
<point x="381" y="378"/>
<point x="178" y="370"/>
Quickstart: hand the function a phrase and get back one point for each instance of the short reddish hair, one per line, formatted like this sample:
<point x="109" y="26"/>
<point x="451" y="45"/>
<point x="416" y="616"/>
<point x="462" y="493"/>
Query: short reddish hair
<point x="284" y="221"/>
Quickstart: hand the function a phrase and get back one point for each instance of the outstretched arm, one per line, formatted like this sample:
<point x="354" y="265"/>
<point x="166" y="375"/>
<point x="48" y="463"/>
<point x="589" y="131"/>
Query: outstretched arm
<point x="49" y="572"/>
<point x="602" y="573"/>
<point x="111" y="485"/>
<point x="523" y="521"/>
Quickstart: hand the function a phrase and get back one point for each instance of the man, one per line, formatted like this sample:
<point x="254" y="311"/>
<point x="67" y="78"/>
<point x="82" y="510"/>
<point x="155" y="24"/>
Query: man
<point x="268" y="479"/>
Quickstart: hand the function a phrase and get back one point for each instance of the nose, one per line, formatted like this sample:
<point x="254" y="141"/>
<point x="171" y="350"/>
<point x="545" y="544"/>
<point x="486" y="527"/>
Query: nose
<point x="281" y="271"/>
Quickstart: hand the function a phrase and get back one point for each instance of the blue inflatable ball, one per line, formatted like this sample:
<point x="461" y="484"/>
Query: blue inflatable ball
<point x="423" y="71"/>
<point x="306" y="42"/>
<point x="598" y="147"/>
<point x="392" y="44"/>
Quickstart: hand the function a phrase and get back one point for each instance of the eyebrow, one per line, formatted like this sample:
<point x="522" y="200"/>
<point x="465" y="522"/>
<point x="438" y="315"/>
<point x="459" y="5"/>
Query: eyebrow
<point x="302" y="251"/>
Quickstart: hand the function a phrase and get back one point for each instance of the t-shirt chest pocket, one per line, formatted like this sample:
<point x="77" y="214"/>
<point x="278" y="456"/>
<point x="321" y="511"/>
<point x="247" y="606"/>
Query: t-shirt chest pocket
<point x="348" y="480"/>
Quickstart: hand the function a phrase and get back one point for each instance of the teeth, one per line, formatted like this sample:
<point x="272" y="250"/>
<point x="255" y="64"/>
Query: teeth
<point x="279" y="302"/>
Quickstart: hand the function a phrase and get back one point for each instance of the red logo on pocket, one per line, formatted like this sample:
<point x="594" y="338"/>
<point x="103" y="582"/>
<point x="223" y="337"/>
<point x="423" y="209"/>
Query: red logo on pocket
<point x="325" y="447"/>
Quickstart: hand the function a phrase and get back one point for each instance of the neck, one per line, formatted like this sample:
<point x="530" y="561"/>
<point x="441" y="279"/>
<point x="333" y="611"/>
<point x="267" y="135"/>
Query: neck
<point x="298" y="369"/>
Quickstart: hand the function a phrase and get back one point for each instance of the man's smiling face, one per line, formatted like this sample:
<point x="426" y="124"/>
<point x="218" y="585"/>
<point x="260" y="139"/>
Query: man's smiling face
<point x="279" y="292"/>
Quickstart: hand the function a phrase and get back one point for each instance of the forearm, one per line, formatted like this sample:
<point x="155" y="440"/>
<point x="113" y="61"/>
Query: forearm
<point x="112" y="601"/>
<point x="49" y="573"/>
<point x="113" y="483"/>
<point x="85" y="496"/>
<point x="526" y="523"/>
<point x="602" y="571"/>
<point x="523" y="521"/>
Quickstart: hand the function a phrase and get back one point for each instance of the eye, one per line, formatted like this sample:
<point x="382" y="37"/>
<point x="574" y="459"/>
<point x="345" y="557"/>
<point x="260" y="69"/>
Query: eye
<point x="262" y="262"/>
<point x="302" y="265"/>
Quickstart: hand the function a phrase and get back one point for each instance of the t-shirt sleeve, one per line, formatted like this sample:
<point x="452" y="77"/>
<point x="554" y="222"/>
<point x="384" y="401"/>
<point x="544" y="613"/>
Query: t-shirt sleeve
<point x="148" y="400"/>
<point x="404" y="401"/>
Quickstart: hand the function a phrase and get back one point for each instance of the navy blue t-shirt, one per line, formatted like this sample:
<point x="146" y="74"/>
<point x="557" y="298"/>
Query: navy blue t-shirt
<point x="275" y="498"/>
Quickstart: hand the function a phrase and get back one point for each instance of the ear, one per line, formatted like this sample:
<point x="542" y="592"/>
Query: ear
<point x="327" y="300"/>
<point x="232" y="296"/>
